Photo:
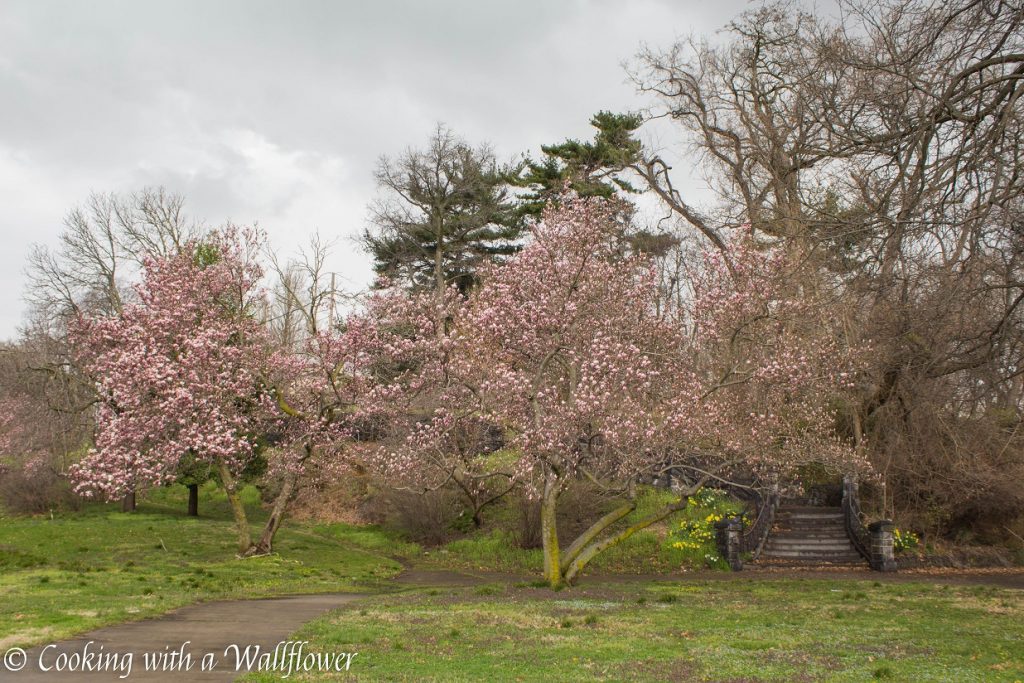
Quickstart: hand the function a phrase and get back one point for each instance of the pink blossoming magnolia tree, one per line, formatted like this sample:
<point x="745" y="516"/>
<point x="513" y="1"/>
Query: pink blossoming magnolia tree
<point x="767" y="342"/>
<point x="565" y="348"/>
<point x="390" y="371"/>
<point x="182" y="372"/>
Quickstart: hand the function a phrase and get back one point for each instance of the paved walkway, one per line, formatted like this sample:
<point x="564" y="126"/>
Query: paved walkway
<point x="211" y="627"/>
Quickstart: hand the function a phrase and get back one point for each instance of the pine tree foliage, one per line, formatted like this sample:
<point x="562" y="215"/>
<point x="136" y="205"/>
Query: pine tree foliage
<point x="590" y="168"/>
<point x="442" y="212"/>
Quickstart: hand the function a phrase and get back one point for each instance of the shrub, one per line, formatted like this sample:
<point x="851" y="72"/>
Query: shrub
<point x="426" y="518"/>
<point x="579" y="506"/>
<point x="33" y="486"/>
<point x="528" y="529"/>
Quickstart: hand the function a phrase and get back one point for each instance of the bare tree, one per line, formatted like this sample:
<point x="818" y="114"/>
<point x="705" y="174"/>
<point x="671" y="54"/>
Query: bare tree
<point x="102" y="245"/>
<point x="886" y="150"/>
<point x="305" y="298"/>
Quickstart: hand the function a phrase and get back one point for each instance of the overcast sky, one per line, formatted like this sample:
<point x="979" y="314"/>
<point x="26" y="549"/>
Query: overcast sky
<point x="276" y="112"/>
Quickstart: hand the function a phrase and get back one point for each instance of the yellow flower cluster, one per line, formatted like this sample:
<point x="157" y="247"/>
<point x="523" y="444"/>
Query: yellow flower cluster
<point x="699" y="532"/>
<point x="904" y="540"/>
<point x="695" y="535"/>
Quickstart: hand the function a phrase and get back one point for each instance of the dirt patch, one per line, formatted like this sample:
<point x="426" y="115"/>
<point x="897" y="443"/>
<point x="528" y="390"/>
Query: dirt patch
<point x="659" y="669"/>
<point x="338" y="503"/>
<point x="797" y="658"/>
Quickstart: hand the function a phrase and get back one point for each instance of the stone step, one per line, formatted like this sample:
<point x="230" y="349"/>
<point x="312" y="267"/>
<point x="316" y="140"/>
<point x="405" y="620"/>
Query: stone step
<point x="820" y="513"/>
<point x="789" y="533"/>
<point x="813" y="556"/>
<point x="809" y="552"/>
<point x="809" y="523"/>
<point x="837" y="529"/>
<point x="817" y="534"/>
<point x="800" y="564"/>
<point x="838" y="521"/>
<point x="805" y="536"/>
<point x="810" y="514"/>
<point x="810" y="544"/>
<point x="820" y="517"/>
<point x="815" y="543"/>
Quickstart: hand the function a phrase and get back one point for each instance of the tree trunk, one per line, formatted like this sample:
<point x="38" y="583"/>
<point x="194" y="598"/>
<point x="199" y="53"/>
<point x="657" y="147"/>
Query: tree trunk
<point x="128" y="502"/>
<point x="193" y="500"/>
<point x="596" y="547"/>
<point x="549" y="531"/>
<point x="595" y="529"/>
<point x="237" y="509"/>
<point x="439" y="269"/>
<point x="439" y="285"/>
<point x="266" y="543"/>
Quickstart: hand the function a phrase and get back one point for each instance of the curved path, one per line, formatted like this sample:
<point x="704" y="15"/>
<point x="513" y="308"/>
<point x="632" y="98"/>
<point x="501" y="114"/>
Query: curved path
<point x="211" y="627"/>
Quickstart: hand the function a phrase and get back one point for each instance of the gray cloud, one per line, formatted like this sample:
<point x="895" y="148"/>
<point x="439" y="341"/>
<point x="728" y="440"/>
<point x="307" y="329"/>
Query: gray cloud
<point x="276" y="112"/>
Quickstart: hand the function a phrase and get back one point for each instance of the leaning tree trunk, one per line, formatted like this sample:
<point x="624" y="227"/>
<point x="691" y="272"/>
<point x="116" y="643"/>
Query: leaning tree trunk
<point x="562" y="569"/>
<point x="237" y="509"/>
<point x="291" y="479"/>
<point x="593" y="548"/>
<point x="193" y="500"/>
<point x="266" y="543"/>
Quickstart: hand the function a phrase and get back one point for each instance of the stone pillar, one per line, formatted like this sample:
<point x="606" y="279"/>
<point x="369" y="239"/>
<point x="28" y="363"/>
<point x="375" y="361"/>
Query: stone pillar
<point x="883" y="556"/>
<point x="727" y="537"/>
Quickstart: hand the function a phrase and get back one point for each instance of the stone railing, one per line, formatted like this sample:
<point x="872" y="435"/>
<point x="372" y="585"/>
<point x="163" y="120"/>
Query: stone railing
<point x="753" y="539"/>
<point x="874" y="541"/>
<point x="734" y="540"/>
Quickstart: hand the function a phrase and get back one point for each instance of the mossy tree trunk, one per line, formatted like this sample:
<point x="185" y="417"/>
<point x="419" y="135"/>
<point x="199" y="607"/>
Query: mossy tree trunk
<point x="549" y="530"/>
<point x="574" y="564"/>
<point x="562" y="569"/>
<point x="227" y="480"/>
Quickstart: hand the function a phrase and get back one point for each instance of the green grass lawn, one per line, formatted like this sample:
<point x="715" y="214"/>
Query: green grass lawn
<point x="720" y="630"/>
<point x="63" y="575"/>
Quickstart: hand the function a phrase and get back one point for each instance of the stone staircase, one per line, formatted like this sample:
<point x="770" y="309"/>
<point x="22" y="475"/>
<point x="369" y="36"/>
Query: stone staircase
<point x="809" y="536"/>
